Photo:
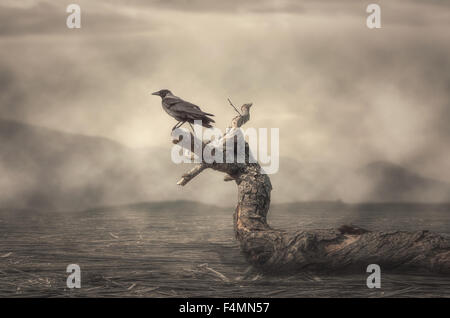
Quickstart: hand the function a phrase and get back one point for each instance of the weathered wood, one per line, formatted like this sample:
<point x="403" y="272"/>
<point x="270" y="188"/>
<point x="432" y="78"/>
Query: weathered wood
<point x="346" y="248"/>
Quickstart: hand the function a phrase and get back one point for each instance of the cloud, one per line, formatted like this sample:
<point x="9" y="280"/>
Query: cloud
<point x="339" y="92"/>
<point x="49" y="18"/>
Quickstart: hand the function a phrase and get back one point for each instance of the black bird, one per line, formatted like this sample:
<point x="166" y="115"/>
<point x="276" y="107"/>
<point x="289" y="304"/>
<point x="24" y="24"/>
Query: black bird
<point x="183" y="111"/>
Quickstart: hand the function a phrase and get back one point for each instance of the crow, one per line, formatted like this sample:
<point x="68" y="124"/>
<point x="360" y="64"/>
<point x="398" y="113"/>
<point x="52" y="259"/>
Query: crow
<point x="183" y="111"/>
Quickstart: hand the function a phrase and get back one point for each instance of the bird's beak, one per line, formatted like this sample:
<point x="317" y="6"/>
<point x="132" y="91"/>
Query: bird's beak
<point x="155" y="93"/>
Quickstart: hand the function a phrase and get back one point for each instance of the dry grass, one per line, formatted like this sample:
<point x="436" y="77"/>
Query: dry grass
<point x="159" y="252"/>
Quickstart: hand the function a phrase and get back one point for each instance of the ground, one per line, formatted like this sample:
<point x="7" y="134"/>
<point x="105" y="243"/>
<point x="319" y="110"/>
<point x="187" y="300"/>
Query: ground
<point x="186" y="249"/>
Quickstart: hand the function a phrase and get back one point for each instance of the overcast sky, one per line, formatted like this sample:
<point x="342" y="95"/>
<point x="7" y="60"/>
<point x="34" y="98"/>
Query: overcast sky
<point x="337" y="90"/>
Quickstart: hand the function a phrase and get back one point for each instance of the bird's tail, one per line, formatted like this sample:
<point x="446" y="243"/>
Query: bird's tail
<point x="206" y="121"/>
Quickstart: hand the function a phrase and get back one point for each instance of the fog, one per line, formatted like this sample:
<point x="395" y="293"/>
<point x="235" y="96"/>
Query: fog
<point x="342" y="95"/>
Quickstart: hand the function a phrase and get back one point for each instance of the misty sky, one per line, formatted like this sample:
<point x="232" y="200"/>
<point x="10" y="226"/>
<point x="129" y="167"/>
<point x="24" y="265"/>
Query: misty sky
<point x="337" y="90"/>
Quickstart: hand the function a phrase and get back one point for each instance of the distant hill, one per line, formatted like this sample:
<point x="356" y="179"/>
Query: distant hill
<point x="339" y="206"/>
<point x="378" y="181"/>
<point x="49" y="169"/>
<point x="45" y="168"/>
<point x="390" y="182"/>
<point x="187" y="206"/>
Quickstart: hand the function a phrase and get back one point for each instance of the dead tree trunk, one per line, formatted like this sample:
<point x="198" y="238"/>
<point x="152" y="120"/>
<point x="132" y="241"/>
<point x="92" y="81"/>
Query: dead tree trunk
<point x="346" y="248"/>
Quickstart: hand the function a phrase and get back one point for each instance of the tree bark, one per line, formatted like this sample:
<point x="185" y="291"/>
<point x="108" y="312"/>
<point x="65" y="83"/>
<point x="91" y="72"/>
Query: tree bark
<point x="346" y="248"/>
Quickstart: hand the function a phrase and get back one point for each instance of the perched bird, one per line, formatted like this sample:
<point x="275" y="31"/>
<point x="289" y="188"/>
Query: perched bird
<point x="183" y="111"/>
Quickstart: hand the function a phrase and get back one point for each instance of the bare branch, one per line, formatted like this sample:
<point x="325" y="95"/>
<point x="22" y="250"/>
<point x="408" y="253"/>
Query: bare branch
<point x="234" y="107"/>
<point x="228" y="178"/>
<point x="191" y="174"/>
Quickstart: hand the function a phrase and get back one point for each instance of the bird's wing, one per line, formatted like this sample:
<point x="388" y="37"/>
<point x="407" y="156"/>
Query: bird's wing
<point x="179" y="105"/>
<point x="177" y="101"/>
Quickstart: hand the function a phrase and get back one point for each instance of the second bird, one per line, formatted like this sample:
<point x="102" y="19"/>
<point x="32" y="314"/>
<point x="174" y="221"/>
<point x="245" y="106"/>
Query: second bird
<point x="182" y="110"/>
